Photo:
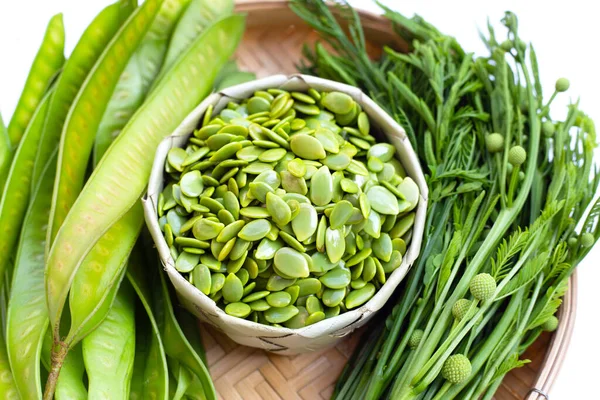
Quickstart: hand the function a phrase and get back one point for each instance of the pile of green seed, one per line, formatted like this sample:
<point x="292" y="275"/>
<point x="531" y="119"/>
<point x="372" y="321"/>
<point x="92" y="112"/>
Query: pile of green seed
<point x="284" y="209"/>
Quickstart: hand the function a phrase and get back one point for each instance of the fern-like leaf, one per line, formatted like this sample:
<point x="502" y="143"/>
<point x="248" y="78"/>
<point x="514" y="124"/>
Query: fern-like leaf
<point x="548" y="305"/>
<point x="507" y="250"/>
<point x="525" y="275"/>
<point x="508" y="365"/>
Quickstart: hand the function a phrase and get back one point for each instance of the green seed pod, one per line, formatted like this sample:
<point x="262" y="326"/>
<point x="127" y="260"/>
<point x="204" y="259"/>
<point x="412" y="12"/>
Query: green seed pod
<point x="517" y="155"/>
<point x="494" y="142"/>
<point x="548" y="128"/>
<point x="483" y="286"/>
<point x="562" y="85"/>
<point x="456" y="369"/>
<point x="415" y="339"/>
<point x="460" y="309"/>
<point x="587" y="240"/>
<point x="551" y="324"/>
<point x="507" y="45"/>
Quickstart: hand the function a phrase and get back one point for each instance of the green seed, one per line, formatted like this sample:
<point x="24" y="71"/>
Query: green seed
<point x="292" y="241"/>
<point x="259" y="191"/>
<point x="276" y="283"/>
<point x="349" y="186"/>
<point x="335" y="244"/>
<point x="333" y="297"/>
<point x="307" y="147"/>
<point x="303" y="97"/>
<point x="337" y="278"/>
<point x="341" y="214"/>
<point x="292" y="183"/>
<point x="226" y="249"/>
<point x="393" y="263"/>
<point x="202" y="279"/>
<point x="255" y="230"/>
<point x="233" y="266"/>
<point x="328" y="139"/>
<point x="233" y="289"/>
<point x="191" y="184"/>
<point x="267" y="248"/>
<point x="299" y="320"/>
<point x="410" y="192"/>
<point x="363" y="123"/>
<point x="357" y="283"/>
<point x="211" y="262"/>
<point x="255" y="212"/>
<point x="230" y="231"/>
<point x="278" y="209"/>
<point x="217" y="282"/>
<point x="360" y="296"/>
<point x="382" y="247"/>
<point x="331" y="312"/>
<point x="176" y="156"/>
<point x="308" y="286"/>
<point x="280" y="315"/>
<point x="186" y="262"/>
<point x="360" y="256"/>
<point x="315" y="317"/>
<point x="403" y="225"/>
<point x="305" y="223"/>
<point x="383" y="151"/>
<point x="338" y="103"/>
<point x="206" y="229"/>
<point x="258" y="105"/>
<point x="250" y="153"/>
<point x="313" y="304"/>
<point x="382" y="200"/>
<point x="321" y="263"/>
<point x="259" y="305"/>
<point x="256" y="296"/>
<point x="321" y="189"/>
<point x="291" y="263"/>
<point x="297" y="167"/>
<point x="237" y="309"/>
<point x="272" y="155"/>
<point x="243" y="275"/>
<point x="293" y="291"/>
<point x="279" y="299"/>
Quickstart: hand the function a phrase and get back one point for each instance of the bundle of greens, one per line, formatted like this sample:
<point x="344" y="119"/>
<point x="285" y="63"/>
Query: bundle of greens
<point x="510" y="212"/>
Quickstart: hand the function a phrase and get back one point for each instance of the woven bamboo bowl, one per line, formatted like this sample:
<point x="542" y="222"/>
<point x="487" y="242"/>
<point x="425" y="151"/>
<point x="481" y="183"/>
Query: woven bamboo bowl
<point x="272" y="44"/>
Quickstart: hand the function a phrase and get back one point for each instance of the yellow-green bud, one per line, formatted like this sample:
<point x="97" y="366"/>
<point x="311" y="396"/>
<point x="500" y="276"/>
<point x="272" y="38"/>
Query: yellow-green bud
<point x="551" y="324"/>
<point x="507" y="45"/>
<point x="456" y="369"/>
<point x="494" y="142"/>
<point x="548" y="128"/>
<point x="415" y="339"/>
<point x="460" y="309"/>
<point x="587" y="240"/>
<point x="483" y="286"/>
<point x="572" y="242"/>
<point x="517" y="155"/>
<point x="562" y="85"/>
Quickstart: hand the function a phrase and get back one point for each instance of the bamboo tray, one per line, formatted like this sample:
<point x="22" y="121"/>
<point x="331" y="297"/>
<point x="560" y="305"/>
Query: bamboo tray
<point x="272" y="44"/>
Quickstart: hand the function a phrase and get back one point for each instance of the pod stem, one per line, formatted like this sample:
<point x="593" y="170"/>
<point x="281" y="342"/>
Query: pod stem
<point x="59" y="353"/>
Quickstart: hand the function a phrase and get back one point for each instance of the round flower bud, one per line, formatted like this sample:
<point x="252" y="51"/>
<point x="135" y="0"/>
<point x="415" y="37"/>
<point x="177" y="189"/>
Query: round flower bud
<point x="517" y="155"/>
<point x="551" y="324"/>
<point x="483" y="286"/>
<point x="494" y="142"/>
<point x="521" y="175"/>
<point x="587" y="239"/>
<point x="415" y="339"/>
<point x="460" y="309"/>
<point x="507" y="45"/>
<point x="456" y="369"/>
<point x="548" y="128"/>
<point x="572" y="242"/>
<point x="562" y="85"/>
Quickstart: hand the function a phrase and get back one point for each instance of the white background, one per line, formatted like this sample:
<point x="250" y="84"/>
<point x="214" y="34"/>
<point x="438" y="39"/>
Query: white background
<point x="565" y="35"/>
